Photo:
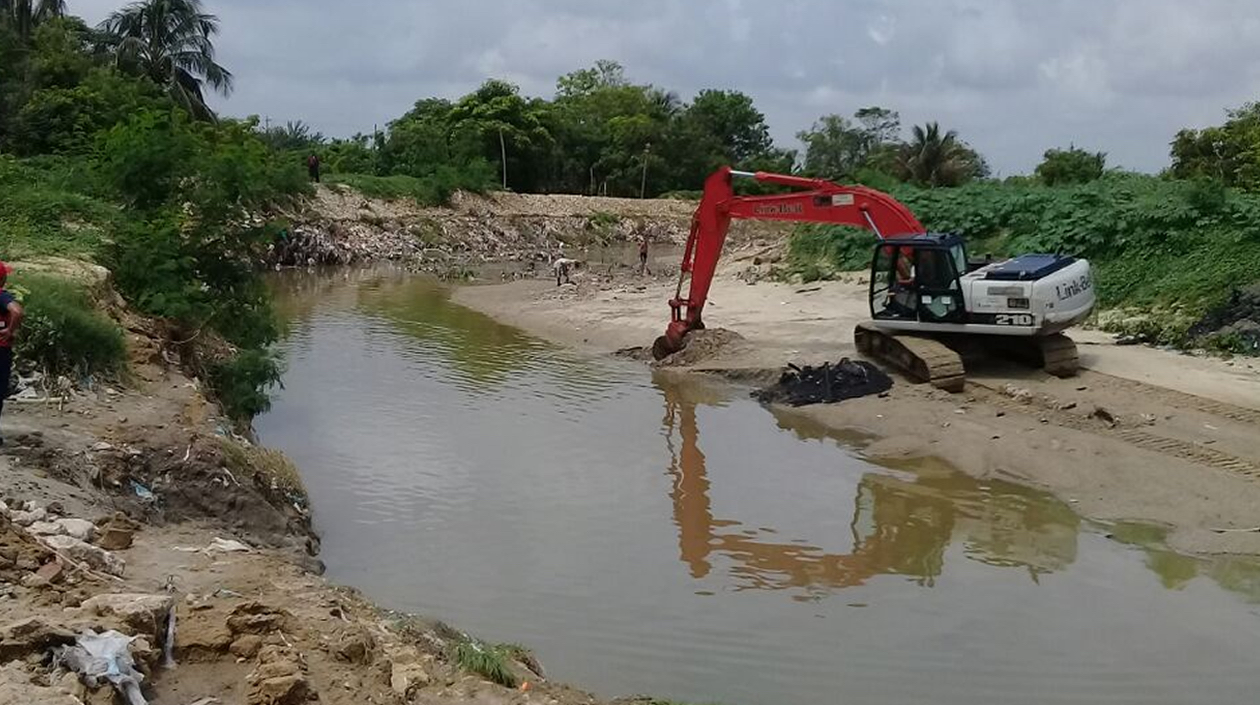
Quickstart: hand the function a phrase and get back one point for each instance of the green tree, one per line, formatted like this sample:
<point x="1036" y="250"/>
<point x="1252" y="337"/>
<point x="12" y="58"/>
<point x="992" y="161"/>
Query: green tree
<point x="732" y="119"/>
<point x="292" y="136"/>
<point x="1228" y="153"/>
<point x="499" y="125"/>
<point x="880" y="126"/>
<point x="584" y="82"/>
<point x="23" y="16"/>
<point x="936" y="158"/>
<point x="417" y="142"/>
<point x="834" y="148"/>
<point x="170" y="41"/>
<point x="605" y="129"/>
<point x="67" y="120"/>
<point x="1071" y="166"/>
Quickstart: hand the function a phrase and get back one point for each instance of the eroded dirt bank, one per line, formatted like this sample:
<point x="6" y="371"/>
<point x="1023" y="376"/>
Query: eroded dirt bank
<point x="1141" y="434"/>
<point x="129" y="505"/>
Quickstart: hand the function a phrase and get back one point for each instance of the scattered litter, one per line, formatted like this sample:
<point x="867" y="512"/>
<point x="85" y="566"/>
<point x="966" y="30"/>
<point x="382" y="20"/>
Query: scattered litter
<point x="228" y="546"/>
<point x="218" y="544"/>
<point x="1017" y="393"/>
<point x="168" y="649"/>
<point x="206" y="701"/>
<point x="846" y="379"/>
<point x="101" y="447"/>
<point x="1210" y="427"/>
<point x="104" y="657"/>
<point x="143" y="492"/>
<point x="1253" y="530"/>
<point x="809" y="290"/>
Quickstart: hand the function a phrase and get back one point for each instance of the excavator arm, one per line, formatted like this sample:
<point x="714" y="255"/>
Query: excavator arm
<point x="819" y="202"/>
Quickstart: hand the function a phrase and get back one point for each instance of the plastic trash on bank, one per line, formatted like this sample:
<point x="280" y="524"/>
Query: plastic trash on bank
<point x="99" y="658"/>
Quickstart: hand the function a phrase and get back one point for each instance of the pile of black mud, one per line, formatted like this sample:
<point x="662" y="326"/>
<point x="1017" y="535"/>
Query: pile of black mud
<point x="800" y="386"/>
<point x="1238" y="320"/>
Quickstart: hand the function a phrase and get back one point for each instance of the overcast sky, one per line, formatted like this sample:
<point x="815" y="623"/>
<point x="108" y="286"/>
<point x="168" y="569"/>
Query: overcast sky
<point x="1012" y="76"/>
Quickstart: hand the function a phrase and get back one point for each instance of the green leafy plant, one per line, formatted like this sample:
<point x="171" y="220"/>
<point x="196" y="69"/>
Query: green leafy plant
<point x="63" y="333"/>
<point x="491" y="661"/>
<point x="240" y="383"/>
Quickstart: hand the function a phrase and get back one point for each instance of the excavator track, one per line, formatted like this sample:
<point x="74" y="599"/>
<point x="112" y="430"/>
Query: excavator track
<point x="1056" y="354"/>
<point x="922" y="359"/>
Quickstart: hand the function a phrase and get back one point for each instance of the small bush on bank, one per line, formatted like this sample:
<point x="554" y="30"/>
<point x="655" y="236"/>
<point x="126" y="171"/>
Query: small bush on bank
<point x="275" y="469"/>
<point x="241" y="382"/>
<point x="63" y="333"/>
<point x="490" y="661"/>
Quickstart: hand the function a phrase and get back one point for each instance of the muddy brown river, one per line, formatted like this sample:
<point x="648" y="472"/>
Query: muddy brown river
<point x="645" y="534"/>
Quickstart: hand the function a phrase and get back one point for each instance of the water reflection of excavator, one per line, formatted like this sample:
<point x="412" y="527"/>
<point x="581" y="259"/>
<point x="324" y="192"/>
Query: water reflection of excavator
<point x="899" y="526"/>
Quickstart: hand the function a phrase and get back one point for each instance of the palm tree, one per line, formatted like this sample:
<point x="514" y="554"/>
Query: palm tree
<point x="933" y="158"/>
<point x="25" y="15"/>
<point x="170" y="42"/>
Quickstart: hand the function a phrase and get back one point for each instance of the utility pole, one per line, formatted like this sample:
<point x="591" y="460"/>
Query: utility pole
<point x="643" y="182"/>
<point x="503" y="155"/>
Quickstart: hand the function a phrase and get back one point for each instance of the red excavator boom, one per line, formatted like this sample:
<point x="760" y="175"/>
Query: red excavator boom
<point x="820" y="202"/>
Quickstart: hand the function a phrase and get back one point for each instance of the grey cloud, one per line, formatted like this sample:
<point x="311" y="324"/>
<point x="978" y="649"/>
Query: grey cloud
<point x="1013" y="77"/>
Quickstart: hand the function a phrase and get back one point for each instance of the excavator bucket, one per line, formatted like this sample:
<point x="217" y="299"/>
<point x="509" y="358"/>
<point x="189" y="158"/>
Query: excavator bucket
<point x="663" y="348"/>
<point x="675" y="338"/>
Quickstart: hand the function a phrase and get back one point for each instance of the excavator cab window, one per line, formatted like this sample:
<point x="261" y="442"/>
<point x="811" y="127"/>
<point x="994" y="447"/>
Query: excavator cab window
<point x="918" y="281"/>
<point x="892" y="283"/>
<point x="939" y="294"/>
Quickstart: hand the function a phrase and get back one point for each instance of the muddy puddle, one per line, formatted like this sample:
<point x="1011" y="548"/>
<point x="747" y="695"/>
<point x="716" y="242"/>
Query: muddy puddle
<point x="655" y="534"/>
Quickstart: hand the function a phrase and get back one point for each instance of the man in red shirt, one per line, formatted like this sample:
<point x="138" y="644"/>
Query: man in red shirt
<point x="10" y="320"/>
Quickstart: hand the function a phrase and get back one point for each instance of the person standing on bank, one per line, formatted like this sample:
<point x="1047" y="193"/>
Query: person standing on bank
<point x="10" y="320"/>
<point x="312" y="167"/>
<point x="643" y="256"/>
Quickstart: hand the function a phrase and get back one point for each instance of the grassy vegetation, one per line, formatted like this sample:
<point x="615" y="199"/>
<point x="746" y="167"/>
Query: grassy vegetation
<point x="46" y="209"/>
<point x="271" y="465"/>
<point x="1172" y="246"/>
<point x="490" y="661"/>
<point x="435" y="189"/>
<point x="63" y="333"/>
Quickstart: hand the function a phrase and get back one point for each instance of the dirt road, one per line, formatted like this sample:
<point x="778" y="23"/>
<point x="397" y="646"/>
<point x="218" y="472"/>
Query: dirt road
<point x="1141" y="434"/>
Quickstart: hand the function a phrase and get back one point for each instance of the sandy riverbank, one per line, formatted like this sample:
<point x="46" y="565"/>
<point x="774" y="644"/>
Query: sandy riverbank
<point x="1141" y="434"/>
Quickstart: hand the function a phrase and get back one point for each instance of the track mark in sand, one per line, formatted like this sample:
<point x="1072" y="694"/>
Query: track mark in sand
<point x="1190" y="451"/>
<point x="1182" y="400"/>
<point x="1183" y="450"/>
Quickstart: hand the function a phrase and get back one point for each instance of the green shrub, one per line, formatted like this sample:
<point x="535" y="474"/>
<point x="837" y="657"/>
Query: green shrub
<point x="241" y="382"/>
<point x="63" y="333"/>
<point x="46" y="209"/>
<point x="822" y="251"/>
<point x="490" y="661"/>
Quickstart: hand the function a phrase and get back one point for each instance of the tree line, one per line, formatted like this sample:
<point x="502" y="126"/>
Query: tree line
<point x="604" y="134"/>
<point x="109" y="151"/>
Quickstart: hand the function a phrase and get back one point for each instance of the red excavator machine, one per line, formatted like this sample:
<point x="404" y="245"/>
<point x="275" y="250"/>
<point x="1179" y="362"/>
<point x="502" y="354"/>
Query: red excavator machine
<point x="928" y="302"/>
